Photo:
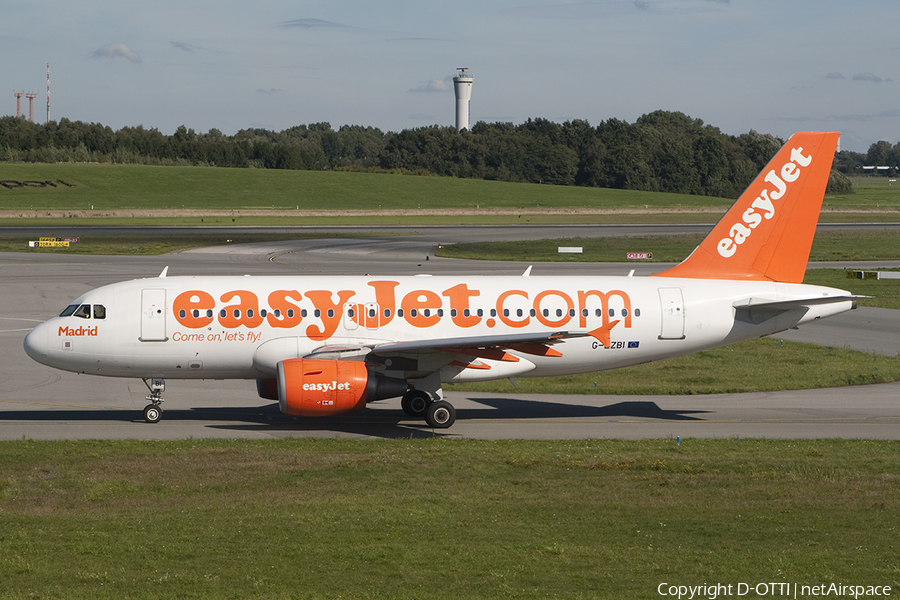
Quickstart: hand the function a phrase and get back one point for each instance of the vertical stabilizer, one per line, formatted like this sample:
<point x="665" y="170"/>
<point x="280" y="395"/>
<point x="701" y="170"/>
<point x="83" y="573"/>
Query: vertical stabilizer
<point x="768" y="232"/>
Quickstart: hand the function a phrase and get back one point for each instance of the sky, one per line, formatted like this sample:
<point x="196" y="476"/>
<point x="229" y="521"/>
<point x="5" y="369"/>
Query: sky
<point x="774" y="66"/>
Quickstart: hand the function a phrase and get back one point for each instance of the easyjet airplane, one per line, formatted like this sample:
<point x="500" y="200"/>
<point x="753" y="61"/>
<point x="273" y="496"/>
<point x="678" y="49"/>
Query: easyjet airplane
<point x="330" y="345"/>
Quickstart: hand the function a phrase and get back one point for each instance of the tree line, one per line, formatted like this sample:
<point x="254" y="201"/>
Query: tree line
<point x="661" y="151"/>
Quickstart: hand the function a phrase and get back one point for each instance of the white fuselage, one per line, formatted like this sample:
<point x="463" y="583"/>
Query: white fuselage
<point x="241" y="327"/>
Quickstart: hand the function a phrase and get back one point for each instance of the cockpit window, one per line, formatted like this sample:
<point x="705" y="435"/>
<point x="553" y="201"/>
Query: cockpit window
<point x="68" y="310"/>
<point x="99" y="311"/>
<point x="83" y="312"/>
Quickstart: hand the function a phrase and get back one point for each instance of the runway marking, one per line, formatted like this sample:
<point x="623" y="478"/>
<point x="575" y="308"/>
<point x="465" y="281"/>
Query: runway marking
<point x="62" y="405"/>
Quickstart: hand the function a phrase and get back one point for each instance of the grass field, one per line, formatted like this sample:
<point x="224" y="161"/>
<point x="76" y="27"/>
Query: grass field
<point x="441" y="518"/>
<point x="117" y="187"/>
<point x="113" y="187"/>
<point x="758" y="365"/>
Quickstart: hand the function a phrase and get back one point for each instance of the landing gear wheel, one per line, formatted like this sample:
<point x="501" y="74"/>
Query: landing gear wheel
<point x="152" y="413"/>
<point x="415" y="402"/>
<point x="156" y="386"/>
<point x="440" y="414"/>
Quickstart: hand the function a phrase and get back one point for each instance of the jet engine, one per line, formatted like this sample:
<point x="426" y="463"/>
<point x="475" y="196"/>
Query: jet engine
<point x="308" y="387"/>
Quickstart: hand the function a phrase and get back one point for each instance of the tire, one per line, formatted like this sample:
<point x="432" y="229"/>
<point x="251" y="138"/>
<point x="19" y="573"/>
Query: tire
<point x="415" y="403"/>
<point x="152" y="413"/>
<point x="440" y="415"/>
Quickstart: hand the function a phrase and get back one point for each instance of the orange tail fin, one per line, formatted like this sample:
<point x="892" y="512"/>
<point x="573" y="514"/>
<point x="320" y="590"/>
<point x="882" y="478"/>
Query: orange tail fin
<point x="768" y="232"/>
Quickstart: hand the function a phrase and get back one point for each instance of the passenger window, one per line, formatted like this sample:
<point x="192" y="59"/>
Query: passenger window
<point x="83" y="312"/>
<point x="99" y="311"/>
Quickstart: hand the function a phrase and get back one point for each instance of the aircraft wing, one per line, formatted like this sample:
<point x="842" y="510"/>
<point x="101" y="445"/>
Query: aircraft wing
<point x="538" y="343"/>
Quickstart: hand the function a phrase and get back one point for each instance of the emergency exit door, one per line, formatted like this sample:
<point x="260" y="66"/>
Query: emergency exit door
<point x="672" y="304"/>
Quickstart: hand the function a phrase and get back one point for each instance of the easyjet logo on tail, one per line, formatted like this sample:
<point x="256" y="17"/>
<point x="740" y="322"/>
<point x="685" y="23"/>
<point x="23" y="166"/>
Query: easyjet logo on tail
<point x="764" y="207"/>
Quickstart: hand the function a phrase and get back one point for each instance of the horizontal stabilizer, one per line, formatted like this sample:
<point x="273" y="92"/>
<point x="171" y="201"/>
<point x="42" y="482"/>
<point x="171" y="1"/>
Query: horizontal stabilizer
<point x="762" y="304"/>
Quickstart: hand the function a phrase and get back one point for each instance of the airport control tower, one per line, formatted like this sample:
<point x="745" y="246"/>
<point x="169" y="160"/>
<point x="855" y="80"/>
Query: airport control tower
<point x="462" y="86"/>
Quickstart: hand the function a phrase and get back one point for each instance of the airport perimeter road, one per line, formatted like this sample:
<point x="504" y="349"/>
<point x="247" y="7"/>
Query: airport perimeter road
<point x="41" y="403"/>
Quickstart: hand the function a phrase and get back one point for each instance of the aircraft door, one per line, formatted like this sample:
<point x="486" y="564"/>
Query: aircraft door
<point x="153" y="316"/>
<point x="672" y="304"/>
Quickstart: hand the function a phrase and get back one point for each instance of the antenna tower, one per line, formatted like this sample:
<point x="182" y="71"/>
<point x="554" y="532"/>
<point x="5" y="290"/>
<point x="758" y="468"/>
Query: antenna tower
<point x="31" y="96"/>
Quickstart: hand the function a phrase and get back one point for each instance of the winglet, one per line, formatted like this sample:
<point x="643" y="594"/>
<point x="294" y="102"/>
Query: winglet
<point x="768" y="232"/>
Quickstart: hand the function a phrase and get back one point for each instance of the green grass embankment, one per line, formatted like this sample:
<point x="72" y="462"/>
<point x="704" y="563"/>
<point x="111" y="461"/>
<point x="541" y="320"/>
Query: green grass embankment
<point x="117" y="187"/>
<point x="759" y="365"/>
<point x="99" y="189"/>
<point x="319" y="518"/>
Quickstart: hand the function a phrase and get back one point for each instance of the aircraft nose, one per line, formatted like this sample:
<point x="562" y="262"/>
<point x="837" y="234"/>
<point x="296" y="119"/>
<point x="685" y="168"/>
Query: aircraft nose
<point x="36" y="343"/>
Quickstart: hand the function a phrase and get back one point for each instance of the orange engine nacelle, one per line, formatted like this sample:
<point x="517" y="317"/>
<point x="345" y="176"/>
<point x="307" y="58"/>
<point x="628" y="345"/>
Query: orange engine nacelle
<point x="309" y="387"/>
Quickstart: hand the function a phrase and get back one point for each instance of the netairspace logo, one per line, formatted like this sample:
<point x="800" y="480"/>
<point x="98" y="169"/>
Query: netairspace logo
<point x="772" y="590"/>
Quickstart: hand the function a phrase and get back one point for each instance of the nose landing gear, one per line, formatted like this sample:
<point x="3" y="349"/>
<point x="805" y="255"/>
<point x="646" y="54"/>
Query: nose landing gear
<point x="153" y="411"/>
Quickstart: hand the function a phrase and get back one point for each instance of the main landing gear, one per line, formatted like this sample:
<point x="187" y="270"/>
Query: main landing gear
<point x="438" y="414"/>
<point x="153" y="411"/>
